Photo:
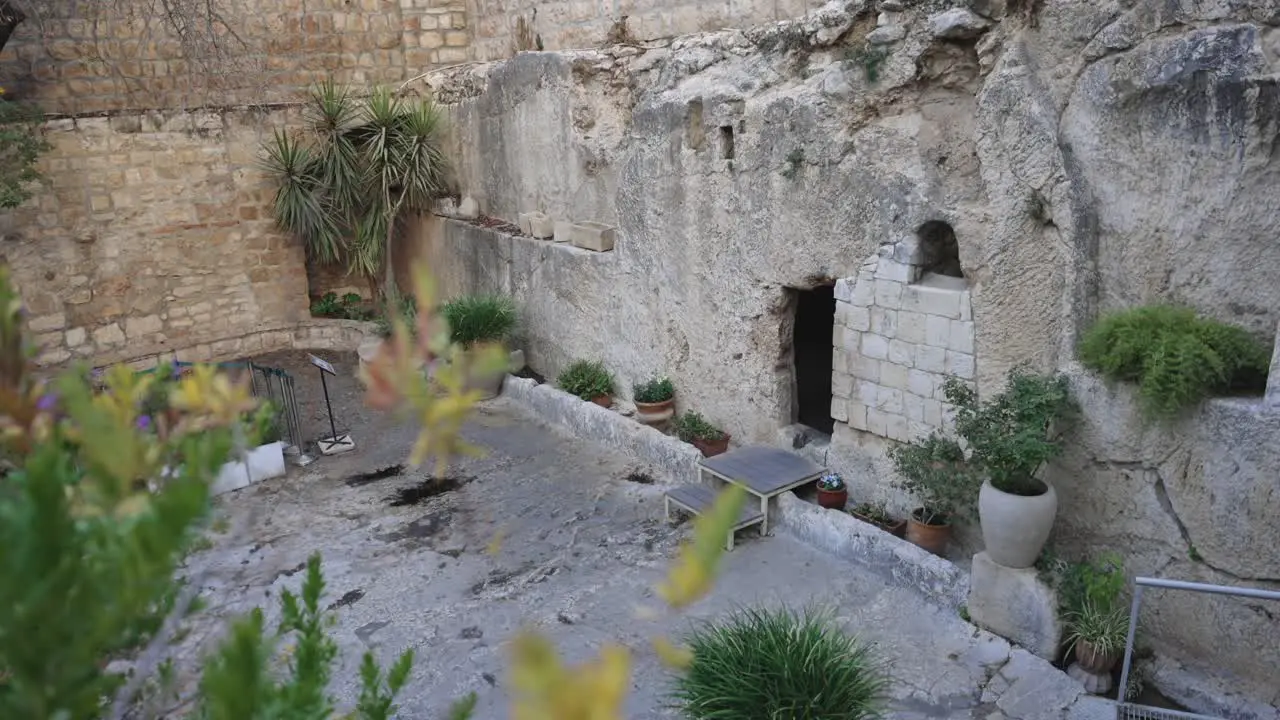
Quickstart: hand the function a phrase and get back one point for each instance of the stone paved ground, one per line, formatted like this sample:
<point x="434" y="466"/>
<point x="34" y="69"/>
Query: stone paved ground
<point x="583" y="545"/>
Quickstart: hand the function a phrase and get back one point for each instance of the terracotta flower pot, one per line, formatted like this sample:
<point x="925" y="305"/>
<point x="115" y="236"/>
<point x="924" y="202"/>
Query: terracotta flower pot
<point x="933" y="538"/>
<point x="711" y="448"/>
<point x="1094" y="661"/>
<point x="604" y="401"/>
<point x="896" y="528"/>
<point x="655" y="413"/>
<point x="833" y="499"/>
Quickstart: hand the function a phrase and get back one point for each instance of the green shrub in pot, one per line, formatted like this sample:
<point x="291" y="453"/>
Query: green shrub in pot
<point x="1009" y="438"/>
<point x="934" y="472"/>
<point x="589" y="380"/>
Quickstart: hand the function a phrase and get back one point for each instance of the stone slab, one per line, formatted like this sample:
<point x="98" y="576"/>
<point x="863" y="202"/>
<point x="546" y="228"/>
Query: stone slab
<point x="844" y="536"/>
<point x="1015" y="604"/>
<point x="593" y="236"/>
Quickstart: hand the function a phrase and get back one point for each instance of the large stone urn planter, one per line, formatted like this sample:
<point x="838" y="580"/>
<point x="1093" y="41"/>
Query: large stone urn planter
<point x="1016" y="527"/>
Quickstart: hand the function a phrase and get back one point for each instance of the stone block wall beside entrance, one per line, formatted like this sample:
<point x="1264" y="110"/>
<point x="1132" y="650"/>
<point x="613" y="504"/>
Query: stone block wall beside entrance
<point x="900" y="332"/>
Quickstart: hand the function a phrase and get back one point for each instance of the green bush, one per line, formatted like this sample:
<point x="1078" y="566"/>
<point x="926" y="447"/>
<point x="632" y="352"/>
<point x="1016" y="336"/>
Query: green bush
<point x="771" y="664"/>
<point x="1013" y="433"/>
<point x="1176" y="358"/>
<point x="655" y="391"/>
<point x="587" y="379"/>
<point x="935" y="473"/>
<point x="479" y="319"/>
<point x="692" y="426"/>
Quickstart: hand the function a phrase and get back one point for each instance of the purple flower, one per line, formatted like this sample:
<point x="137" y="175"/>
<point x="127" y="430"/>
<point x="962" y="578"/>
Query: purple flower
<point x="47" y="402"/>
<point x="144" y="422"/>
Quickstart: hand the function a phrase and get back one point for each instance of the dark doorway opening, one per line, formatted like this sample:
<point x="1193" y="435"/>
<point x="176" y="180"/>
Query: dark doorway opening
<point x="815" y="320"/>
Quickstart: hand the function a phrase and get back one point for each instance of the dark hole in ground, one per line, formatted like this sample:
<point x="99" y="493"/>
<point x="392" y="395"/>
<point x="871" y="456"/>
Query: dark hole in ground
<point x="815" y="319"/>
<point x="530" y="373"/>
<point x="426" y="489"/>
<point x="420" y="529"/>
<point x="380" y="474"/>
<point x="349" y="598"/>
<point x="642" y="478"/>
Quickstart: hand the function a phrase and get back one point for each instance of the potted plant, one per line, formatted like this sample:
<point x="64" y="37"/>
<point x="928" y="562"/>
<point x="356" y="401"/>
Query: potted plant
<point x="477" y="321"/>
<point x="655" y="401"/>
<point x="694" y="429"/>
<point x="935" y="473"/>
<point x="1010" y="437"/>
<point x="589" y="380"/>
<point x="1094" y="607"/>
<point x="879" y="516"/>
<point x="833" y="494"/>
<point x="1097" y="636"/>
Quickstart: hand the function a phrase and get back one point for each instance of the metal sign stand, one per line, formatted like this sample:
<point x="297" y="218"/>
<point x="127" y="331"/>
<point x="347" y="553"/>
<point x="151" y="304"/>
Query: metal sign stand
<point x="334" y="444"/>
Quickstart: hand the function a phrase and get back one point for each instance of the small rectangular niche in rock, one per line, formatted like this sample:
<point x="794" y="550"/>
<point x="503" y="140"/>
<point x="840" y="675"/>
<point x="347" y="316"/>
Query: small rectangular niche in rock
<point x="592" y="236"/>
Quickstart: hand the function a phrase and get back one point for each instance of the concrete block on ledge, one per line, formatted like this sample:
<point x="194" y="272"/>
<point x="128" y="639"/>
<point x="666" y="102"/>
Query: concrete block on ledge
<point x="541" y="226"/>
<point x="593" y="236"/>
<point x="1015" y="604"/>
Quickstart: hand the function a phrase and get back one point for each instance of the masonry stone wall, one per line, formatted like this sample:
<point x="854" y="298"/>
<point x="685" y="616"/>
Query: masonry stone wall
<point x="283" y="47"/>
<point x="567" y="24"/>
<point x="153" y="233"/>
<point x="899" y="335"/>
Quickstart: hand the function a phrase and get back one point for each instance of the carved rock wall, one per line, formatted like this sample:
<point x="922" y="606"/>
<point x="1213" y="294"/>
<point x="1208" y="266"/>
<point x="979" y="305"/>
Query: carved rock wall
<point x="1088" y="156"/>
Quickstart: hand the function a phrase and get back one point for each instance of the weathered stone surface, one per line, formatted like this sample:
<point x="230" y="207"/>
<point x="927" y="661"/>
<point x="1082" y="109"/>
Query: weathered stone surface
<point x="1040" y="158"/>
<point x="957" y="24"/>
<point x="886" y="35"/>
<point x="1034" y="692"/>
<point x="469" y="208"/>
<point x="1015" y="604"/>
<point x="1273" y="379"/>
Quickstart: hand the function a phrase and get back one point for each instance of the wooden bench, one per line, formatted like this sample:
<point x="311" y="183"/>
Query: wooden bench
<point x="762" y="471"/>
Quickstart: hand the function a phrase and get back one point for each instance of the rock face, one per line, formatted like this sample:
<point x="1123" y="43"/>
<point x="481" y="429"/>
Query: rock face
<point x="1081" y="156"/>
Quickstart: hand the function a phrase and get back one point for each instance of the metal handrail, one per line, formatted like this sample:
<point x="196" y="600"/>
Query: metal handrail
<point x="1145" y="582"/>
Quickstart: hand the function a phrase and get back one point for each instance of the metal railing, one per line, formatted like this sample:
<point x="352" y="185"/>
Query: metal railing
<point x="266" y="383"/>
<point x="1128" y="710"/>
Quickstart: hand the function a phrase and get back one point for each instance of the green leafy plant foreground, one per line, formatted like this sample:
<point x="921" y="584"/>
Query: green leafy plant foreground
<point x="21" y="144"/>
<point x="588" y="379"/>
<point x="480" y="319"/>
<point x="1176" y="358"/>
<point x="768" y="664"/>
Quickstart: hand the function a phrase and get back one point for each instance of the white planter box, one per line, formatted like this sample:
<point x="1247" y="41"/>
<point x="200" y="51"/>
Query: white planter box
<point x="264" y="462"/>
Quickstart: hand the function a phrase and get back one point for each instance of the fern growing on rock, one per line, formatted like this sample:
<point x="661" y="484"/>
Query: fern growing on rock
<point x="1176" y="358"/>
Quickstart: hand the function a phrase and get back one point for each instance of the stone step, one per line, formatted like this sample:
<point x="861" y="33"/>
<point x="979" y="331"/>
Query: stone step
<point x="699" y="498"/>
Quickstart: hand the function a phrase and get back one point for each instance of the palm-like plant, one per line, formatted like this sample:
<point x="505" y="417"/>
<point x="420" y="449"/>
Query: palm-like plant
<point x="343" y="188"/>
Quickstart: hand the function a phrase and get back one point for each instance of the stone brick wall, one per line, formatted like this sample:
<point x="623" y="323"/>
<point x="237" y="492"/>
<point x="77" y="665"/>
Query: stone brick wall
<point x="568" y="24"/>
<point x="288" y="45"/>
<point x="153" y="234"/>
<point x="899" y="333"/>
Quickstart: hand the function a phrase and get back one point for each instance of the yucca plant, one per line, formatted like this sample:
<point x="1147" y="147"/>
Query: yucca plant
<point x="343" y="188"/>
<point x="769" y="664"/>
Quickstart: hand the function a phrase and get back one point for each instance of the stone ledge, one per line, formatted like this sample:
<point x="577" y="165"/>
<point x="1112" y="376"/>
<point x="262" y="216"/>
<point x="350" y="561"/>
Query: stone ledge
<point x="851" y="539"/>
<point x="676" y="461"/>
<point x="314" y="334"/>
